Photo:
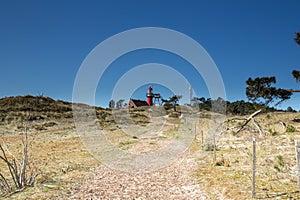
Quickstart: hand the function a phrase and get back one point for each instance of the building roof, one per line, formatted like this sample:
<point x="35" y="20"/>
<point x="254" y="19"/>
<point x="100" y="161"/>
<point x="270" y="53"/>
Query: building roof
<point x="139" y="103"/>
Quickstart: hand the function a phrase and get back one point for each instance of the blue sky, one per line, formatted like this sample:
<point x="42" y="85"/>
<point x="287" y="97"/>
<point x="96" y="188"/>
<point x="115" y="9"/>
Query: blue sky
<point x="43" y="43"/>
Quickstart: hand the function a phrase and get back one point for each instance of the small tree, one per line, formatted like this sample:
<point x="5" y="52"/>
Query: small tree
<point x="290" y="109"/>
<point x="21" y="171"/>
<point x="112" y="104"/>
<point x="172" y="102"/>
<point x="119" y="103"/>
<point x="261" y="90"/>
<point x="205" y="104"/>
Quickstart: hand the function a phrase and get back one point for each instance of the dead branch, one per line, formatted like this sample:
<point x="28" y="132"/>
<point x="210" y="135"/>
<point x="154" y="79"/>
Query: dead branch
<point x="21" y="172"/>
<point x="25" y="158"/>
<point x="283" y="125"/>
<point x="245" y="122"/>
<point x="4" y="183"/>
<point x="12" y="169"/>
<point x="248" y="119"/>
<point x="11" y="154"/>
<point x="257" y="126"/>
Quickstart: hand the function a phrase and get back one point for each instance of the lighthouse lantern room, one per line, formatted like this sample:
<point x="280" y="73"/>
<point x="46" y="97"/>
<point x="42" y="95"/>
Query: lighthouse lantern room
<point x="150" y="96"/>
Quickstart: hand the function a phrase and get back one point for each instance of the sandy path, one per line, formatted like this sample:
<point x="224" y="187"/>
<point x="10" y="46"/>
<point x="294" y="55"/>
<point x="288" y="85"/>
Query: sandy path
<point x="173" y="182"/>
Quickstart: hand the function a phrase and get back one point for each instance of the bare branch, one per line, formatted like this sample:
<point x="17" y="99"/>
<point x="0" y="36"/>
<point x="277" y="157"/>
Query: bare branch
<point x="248" y="119"/>
<point x="8" y="151"/>
<point x="10" y="166"/>
<point x="5" y="183"/>
<point x="257" y="126"/>
<point x="21" y="172"/>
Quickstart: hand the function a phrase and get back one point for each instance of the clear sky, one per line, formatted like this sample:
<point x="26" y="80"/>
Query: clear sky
<point x="43" y="43"/>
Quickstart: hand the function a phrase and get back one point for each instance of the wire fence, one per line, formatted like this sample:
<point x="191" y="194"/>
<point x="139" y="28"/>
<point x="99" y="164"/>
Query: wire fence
<point x="266" y="167"/>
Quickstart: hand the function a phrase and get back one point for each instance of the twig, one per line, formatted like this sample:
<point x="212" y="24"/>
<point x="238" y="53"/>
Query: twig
<point x="11" y="168"/>
<point x="257" y="126"/>
<point x="6" y="185"/>
<point x="8" y="151"/>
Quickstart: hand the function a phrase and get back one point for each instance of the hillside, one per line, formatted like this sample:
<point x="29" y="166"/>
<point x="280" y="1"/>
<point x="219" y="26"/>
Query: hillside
<point x="67" y="168"/>
<point x="33" y="103"/>
<point x="41" y="111"/>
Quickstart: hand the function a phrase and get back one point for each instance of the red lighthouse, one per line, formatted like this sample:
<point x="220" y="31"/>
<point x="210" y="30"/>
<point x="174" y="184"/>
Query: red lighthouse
<point x="150" y="96"/>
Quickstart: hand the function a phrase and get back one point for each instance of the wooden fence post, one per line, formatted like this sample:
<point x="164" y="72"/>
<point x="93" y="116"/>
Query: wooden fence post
<point x="253" y="166"/>
<point x="202" y="137"/>
<point x="297" y="146"/>
<point x="214" y="141"/>
<point x="195" y="131"/>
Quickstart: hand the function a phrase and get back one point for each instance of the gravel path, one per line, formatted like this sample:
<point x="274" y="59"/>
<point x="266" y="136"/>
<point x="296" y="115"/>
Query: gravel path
<point x="173" y="182"/>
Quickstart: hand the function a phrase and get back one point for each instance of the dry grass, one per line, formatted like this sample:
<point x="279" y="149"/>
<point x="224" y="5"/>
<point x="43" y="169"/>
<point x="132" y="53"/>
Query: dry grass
<point x="57" y="151"/>
<point x="61" y="158"/>
<point x="230" y="176"/>
<point x="65" y="163"/>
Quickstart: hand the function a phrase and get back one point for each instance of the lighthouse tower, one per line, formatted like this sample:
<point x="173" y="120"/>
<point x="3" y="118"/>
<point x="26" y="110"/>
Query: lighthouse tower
<point x="150" y="96"/>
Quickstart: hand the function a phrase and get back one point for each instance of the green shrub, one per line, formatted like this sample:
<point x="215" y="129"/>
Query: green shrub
<point x="234" y="133"/>
<point x="279" y="163"/>
<point x="290" y="129"/>
<point x="277" y="168"/>
<point x="273" y="133"/>
<point x="279" y="159"/>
